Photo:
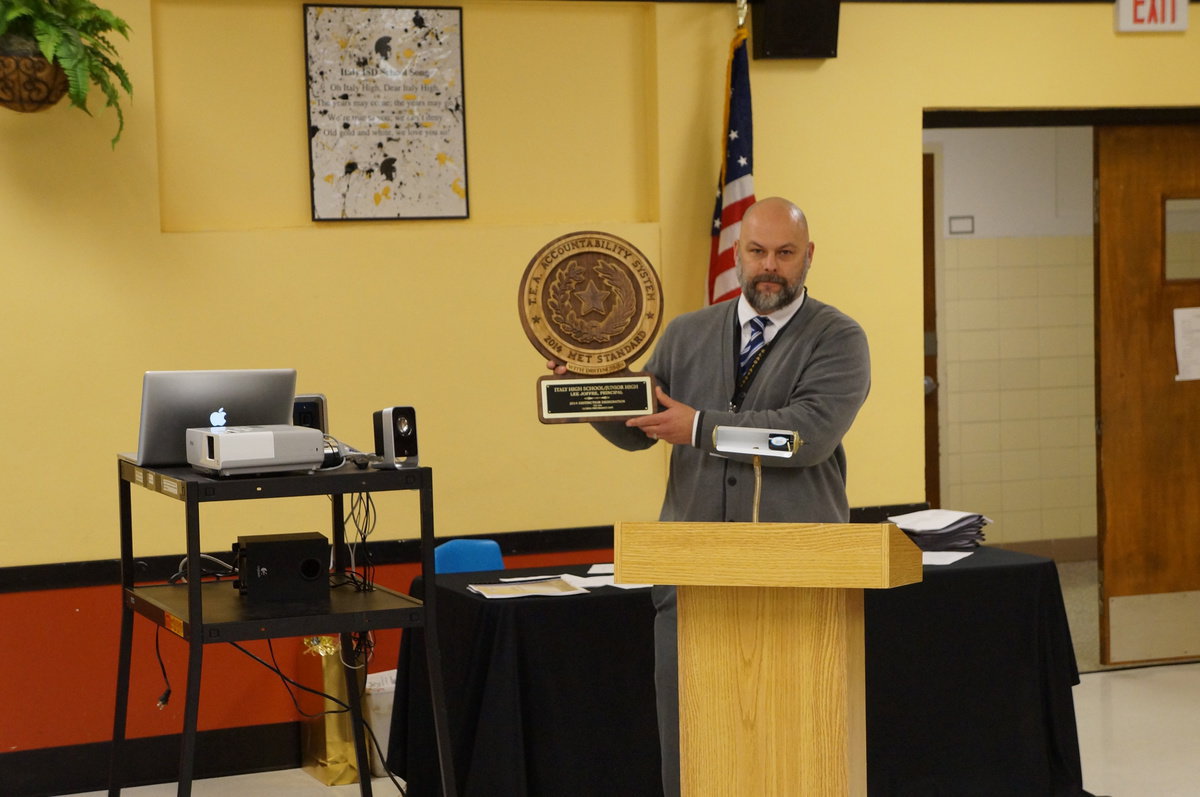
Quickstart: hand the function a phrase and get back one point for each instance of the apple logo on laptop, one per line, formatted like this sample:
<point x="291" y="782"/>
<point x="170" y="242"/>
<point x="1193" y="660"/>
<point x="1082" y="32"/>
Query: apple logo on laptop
<point x="217" y="418"/>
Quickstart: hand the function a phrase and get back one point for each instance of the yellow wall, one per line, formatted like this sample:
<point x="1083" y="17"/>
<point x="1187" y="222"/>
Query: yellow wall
<point x="190" y="245"/>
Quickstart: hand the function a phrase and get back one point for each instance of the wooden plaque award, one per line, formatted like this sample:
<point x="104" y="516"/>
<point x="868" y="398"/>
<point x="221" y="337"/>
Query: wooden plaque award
<point x="591" y="301"/>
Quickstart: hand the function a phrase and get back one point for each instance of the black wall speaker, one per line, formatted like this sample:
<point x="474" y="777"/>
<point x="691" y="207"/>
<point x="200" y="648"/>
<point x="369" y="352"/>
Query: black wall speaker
<point x="291" y="568"/>
<point x="795" y="28"/>
<point x="396" y="437"/>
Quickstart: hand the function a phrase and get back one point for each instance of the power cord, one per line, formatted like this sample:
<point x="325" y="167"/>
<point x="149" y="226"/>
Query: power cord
<point x="181" y="573"/>
<point x="288" y="683"/>
<point x="339" y="453"/>
<point x="335" y="454"/>
<point x="363" y="461"/>
<point x="165" y="697"/>
<point x="363" y="650"/>
<point x="361" y="517"/>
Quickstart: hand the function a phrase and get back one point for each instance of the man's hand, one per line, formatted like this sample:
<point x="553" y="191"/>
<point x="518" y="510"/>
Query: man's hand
<point x="556" y="367"/>
<point x="672" y="423"/>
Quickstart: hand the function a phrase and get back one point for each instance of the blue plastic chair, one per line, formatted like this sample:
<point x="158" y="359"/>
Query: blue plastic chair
<point x="466" y="556"/>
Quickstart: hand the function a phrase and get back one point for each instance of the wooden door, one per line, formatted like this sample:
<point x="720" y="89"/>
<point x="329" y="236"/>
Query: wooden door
<point x="1148" y="423"/>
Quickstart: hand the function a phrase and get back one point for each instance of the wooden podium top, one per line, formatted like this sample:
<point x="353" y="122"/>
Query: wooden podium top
<point x="838" y="555"/>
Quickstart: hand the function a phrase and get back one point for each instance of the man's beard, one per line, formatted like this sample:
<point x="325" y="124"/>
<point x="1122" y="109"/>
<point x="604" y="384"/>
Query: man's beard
<point x="768" y="302"/>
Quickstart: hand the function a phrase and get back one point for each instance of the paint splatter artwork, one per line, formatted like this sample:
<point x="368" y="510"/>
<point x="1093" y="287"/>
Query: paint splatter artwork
<point x="387" y="127"/>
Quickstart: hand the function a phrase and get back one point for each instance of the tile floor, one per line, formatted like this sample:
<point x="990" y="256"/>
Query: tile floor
<point x="1138" y="732"/>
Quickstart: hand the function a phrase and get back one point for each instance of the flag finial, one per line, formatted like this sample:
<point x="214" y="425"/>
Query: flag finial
<point x="742" y="7"/>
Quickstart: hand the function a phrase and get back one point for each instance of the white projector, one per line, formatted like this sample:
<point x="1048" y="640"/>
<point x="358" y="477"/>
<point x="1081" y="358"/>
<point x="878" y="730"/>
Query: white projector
<point x="236" y="450"/>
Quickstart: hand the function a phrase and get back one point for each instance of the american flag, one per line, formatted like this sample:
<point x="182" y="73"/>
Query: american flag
<point x="735" y="189"/>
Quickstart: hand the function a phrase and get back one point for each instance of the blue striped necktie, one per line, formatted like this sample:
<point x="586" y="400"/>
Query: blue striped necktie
<point x="754" y="344"/>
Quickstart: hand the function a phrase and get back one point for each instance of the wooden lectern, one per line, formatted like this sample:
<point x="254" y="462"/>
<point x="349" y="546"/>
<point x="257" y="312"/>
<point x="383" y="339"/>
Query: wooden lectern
<point x="771" y="670"/>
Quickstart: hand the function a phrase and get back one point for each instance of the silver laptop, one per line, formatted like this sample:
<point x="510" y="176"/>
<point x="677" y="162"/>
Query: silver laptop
<point x="175" y="401"/>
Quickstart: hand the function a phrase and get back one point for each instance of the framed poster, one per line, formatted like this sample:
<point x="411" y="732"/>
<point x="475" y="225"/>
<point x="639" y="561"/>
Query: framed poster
<point x="386" y="117"/>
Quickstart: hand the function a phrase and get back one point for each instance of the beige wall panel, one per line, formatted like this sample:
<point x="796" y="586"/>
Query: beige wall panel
<point x="555" y="107"/>
<point x="579" y="115"/>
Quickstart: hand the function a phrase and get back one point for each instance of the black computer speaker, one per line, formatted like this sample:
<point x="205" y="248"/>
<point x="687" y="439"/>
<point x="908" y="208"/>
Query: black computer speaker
<point x="292" y="568"/>
<point x="396" y="437"/>
<point x="309" y="410"/>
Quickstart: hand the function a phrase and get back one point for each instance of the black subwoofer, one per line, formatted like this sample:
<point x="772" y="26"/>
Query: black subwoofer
<point x="291" y="568"/>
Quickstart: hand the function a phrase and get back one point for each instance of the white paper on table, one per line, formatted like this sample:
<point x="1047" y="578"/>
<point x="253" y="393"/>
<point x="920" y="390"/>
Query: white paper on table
<point x="606" y="568"/>
<point x="598" y="581"/>
<point x="587" y="581"/>
<point x="523" y="587"/>
<point x="596" y="578"/>
<point x="1187" y="343"/>
<point x="580" y="582"/>
<point x="943" y="557"/>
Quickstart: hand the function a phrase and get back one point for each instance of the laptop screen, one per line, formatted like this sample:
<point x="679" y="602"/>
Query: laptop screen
<point x="175" y="401"/>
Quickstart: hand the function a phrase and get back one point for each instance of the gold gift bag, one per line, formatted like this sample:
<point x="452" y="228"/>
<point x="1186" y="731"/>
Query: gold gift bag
<point x="328" y="740"/>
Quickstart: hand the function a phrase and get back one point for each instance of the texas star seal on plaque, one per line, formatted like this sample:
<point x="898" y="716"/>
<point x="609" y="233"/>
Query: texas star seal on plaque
<point x="591" y="301"/>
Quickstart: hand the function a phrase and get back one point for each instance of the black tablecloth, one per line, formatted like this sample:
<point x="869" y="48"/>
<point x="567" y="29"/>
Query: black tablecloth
<point x="545" y="696"/>
<point x="968" y="674"/>
<point x="969" y="678"/>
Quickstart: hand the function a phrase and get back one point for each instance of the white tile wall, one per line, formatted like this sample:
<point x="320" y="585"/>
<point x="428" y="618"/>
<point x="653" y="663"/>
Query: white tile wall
<point x="1015" y="328"/>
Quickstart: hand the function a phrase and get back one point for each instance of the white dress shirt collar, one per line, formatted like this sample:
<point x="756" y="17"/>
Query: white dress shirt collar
<point x="778" y="318"/>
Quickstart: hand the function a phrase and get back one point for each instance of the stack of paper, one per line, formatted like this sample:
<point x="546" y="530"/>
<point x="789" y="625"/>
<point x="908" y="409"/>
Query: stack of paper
<point x="942" y="529"/>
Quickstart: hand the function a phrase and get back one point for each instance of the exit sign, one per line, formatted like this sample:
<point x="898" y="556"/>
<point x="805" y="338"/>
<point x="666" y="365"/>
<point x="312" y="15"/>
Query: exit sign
<point x="1151" y="16"/>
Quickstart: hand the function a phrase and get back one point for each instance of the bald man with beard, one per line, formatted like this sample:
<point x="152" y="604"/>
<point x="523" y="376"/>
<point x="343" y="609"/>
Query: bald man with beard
<point x="811" y="375"/>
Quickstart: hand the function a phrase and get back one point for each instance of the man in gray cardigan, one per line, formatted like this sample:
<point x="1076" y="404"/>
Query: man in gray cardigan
<point x="810" y="373"/>
<point x="812" y="379"/>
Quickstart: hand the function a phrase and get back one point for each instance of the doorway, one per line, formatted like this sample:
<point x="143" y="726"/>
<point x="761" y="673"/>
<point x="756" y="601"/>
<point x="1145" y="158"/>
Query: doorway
<point x="1014" y="343"/>
<point x="1045" y="349"/>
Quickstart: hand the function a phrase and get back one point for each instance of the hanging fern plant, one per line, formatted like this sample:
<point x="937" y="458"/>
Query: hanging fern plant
<point x="74" y="35"/>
